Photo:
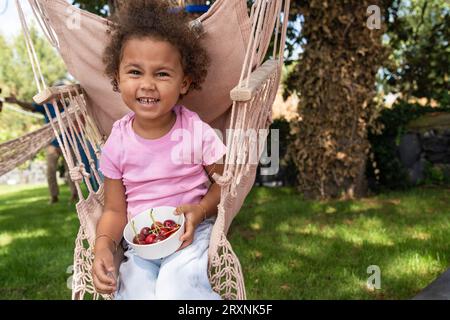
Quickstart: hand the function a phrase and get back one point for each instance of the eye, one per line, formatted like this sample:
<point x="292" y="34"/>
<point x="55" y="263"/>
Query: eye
<point x="162" y="74"/>
<point x="134" y="72"/>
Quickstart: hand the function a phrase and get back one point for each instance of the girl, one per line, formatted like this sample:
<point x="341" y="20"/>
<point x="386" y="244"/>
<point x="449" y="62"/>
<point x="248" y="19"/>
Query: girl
<point x="153" y="59"/>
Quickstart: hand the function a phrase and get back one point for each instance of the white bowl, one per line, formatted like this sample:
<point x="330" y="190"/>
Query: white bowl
<point x="160" y="249"/>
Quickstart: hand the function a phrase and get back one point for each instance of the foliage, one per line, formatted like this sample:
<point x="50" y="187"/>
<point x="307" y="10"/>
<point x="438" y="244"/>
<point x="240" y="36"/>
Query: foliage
<point x="418" y="33"/>
<point x="335" y="77"/>
<point x="436" y="175"/>
<point x="99" y="7"/>
<point x="388" y="170"/>
<point x="16" y="74"/>
<point x="14" y="124"/>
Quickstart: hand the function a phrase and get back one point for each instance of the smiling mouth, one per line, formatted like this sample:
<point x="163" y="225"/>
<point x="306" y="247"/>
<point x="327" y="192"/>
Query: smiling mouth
<point x="147" y="101"/>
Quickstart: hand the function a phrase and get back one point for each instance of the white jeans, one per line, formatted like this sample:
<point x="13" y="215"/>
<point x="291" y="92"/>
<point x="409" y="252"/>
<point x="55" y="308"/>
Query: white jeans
<point x="181" y="276"/>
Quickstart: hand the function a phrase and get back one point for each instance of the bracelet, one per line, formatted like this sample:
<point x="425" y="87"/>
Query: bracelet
<point x="109" y="237"/>
<point x="204" y="211"/>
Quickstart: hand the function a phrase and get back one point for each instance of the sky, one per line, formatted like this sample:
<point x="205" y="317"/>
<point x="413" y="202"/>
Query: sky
<point x="9" y="19"/>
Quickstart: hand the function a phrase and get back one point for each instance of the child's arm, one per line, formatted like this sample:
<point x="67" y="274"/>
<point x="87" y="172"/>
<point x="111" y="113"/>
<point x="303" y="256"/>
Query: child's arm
<point x="109" y="233"/>
<point x="212" y="198"/>
<point x="196" y="213"/>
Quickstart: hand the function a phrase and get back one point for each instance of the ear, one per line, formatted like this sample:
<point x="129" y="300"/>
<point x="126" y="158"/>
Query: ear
<point x="185" y="84"/>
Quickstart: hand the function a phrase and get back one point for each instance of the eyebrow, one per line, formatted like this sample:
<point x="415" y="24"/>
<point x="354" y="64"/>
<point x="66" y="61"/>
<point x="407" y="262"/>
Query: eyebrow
<point x="135" y="65"/>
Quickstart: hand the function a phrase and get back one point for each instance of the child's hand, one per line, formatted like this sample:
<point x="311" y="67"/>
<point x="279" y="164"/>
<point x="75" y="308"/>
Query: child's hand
<point x="194" y="216"/>
<point x="103" y="271"/>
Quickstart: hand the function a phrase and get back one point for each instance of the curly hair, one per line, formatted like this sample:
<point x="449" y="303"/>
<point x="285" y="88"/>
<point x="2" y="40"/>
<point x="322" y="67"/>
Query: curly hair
<point x="158" y="20"/>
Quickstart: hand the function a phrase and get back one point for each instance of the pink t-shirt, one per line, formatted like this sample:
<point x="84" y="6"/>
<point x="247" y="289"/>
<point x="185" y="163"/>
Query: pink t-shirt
<point x="167" y="171"/>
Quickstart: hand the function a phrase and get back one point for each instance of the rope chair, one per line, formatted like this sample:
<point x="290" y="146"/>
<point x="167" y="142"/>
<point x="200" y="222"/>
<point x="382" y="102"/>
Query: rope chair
<point x="236" y="98"/>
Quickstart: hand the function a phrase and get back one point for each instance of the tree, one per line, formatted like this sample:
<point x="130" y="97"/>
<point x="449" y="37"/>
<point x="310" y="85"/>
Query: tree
<point x="103" y="8"/>
<point x="6" y="53"/>
<point x="335" y="78"/>
<point x="106" y="8"/>
<point x="418" y="34"/>
<point x="12" y="124"/>
<point x="16" y="74"/>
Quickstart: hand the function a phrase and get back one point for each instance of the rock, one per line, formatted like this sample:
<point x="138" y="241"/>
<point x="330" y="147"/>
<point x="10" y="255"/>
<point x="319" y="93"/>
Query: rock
<point x="417" y="172"/>
<point x="438" y="157"/>
<point x="434" y="120"/>
<point x="436" y="144"/>
<point x="409" y="149"/>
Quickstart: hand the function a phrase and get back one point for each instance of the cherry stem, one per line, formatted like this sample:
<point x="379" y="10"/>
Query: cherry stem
<point x="134" y="228"/>
<point x="153" y="219"/>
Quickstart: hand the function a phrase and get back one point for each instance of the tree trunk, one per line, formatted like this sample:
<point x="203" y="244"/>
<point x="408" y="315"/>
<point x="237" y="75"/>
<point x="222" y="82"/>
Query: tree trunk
<point x="335" y="77"/>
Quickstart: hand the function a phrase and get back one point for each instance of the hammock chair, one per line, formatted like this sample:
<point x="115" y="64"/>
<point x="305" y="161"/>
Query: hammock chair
<point x="238" y="94"/>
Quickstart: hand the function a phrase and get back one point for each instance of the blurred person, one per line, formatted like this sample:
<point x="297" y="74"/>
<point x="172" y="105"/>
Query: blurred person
<point x="53" y="150"/>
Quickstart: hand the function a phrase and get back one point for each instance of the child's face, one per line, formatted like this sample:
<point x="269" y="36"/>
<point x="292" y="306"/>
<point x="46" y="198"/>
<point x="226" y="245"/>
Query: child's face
<point x="151" y="77"/>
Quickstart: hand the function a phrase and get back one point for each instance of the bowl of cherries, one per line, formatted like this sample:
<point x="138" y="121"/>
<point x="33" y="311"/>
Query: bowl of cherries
<point x="155" y="233"/>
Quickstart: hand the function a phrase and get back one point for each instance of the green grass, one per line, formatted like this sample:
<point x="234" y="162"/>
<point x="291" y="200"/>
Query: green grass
<point x="294" y="249"/>
<point x="36" y="243"/>
<point x="288" y="248"/>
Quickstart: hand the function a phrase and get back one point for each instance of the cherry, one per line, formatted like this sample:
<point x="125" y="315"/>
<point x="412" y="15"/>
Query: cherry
<point x="150" y="238"/>
<point x="156" y="225"/>
<point x="139" y="239"/>
<point x="156" y="233"/>
<point x="145" y="231"/>
<point x="169" y="223"/>
<point x="164" y="231"/>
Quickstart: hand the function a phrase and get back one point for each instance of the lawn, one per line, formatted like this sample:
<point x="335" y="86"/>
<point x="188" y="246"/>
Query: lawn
<point x="289" y="248"/>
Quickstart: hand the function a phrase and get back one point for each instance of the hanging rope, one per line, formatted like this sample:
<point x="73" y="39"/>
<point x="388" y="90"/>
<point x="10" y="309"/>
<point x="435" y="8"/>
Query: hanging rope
<point x="38" y="77"/>
<point x="41" y="17"/>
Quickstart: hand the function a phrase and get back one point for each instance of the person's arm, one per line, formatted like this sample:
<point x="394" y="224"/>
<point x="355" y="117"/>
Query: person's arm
<point x="25" y="105"/>
<point x="212" y="198"/>
<point x="196" y="213"/>
<point x="108" y="236"/>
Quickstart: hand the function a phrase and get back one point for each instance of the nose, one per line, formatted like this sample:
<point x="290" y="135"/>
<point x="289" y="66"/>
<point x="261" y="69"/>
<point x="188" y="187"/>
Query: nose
<point x="148" y="84"/>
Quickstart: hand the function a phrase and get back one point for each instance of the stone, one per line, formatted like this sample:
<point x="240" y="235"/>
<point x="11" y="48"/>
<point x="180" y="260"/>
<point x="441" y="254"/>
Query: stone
<point x="409" y="149"/>
<point x="439" y="289"/>
<point x="417" y="171"/>
<point x="439" y="157"/>
<point x="436" y="144"/>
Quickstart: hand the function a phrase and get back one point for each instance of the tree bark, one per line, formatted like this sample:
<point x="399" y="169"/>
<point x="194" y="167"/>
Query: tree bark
<point x="335" y="78"/>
